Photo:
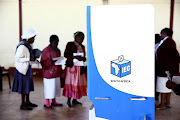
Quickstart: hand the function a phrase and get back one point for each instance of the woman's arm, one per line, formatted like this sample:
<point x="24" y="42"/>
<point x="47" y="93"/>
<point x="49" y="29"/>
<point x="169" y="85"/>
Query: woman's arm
<point x="67" y="53"/>
<point x="46" y="60"/>
<point x="20" y="54"/>
<point x="171" y="46"/>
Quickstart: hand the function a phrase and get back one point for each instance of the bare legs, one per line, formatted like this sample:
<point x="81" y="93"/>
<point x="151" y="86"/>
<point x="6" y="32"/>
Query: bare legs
<point x="25" y="102"/>
<point x="165" y="100"/>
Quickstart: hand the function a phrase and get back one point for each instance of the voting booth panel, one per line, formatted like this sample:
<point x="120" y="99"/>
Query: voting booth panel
<point x="120" y="52"/>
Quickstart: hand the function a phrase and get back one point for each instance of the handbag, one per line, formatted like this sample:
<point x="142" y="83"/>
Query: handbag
<point x="174" y="84"/>
<point x="83" y="70"/>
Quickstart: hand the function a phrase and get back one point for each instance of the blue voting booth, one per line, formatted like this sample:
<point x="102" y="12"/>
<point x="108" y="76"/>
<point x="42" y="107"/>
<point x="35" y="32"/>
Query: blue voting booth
<point x="120" y="52"/>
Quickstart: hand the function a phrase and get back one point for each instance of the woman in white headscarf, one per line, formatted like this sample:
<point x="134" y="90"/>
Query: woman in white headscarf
<point x="23" y="82"/>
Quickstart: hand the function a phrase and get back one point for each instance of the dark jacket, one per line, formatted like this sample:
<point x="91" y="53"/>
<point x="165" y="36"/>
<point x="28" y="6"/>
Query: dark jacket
<point x="68" y="53"/>
<point x="167" y="58"/>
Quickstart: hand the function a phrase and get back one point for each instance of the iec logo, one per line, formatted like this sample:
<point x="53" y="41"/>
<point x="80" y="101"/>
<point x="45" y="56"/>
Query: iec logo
<point x="120" y="67"/>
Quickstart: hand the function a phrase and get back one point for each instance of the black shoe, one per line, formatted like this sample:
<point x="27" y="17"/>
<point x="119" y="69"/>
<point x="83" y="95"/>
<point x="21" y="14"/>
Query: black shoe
<point x="52" y="104"/>
<point x="69" y="104"/>
<point x="31" y="104"/>
<point x="25" y="108"/>
<point x="76" y="102"/>
<point x="50" y="107"/>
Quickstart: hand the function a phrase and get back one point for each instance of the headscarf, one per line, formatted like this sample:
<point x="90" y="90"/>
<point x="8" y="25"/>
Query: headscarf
<point x="28" y="33"/>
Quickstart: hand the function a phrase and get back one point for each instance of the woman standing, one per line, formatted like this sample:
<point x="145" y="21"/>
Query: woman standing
<point x="75" y="83"/>
<point x="23" y="82"/>
<point x="51" y="72"/>
<point x="167" y="60"/>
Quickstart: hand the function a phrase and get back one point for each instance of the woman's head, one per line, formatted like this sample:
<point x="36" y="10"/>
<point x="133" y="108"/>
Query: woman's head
<point x="31" y="40"/>
<point x="79" y="37"/>
<point x="29" y="35"/>
<point x="54" y="40"/>
<point x="166" y="32"/>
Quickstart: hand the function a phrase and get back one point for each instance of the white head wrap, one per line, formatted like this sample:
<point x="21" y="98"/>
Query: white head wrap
<point x="28" y="33"/>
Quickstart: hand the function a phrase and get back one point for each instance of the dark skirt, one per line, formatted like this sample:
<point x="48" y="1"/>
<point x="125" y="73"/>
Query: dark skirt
<point x="23" y="84"/>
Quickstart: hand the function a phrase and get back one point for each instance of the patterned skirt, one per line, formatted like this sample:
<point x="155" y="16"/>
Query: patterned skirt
<point x="75" y="83"/>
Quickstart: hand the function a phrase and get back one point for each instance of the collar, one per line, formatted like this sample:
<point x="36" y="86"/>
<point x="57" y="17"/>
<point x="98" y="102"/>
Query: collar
<point x="163" y="40"/>
<point x="52" y="47"/>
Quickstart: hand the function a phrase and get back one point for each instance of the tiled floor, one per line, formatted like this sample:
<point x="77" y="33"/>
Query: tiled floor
<point x="172" y="113"/>
<point x="10" y="102"/>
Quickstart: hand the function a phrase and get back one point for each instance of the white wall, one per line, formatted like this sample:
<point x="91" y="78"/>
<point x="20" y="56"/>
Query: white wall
<point x="162" y="10"/>
<point x="8" y="31"/>
<point x="176" y="25"/>
<point x="63" y="18"/>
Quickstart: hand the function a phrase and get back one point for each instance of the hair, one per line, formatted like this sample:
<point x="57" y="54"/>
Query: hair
<point x="168" y="31"/>
<point x="78" y="34"/>
<point x="157" y="38"/>
<point x="53" y="38"/>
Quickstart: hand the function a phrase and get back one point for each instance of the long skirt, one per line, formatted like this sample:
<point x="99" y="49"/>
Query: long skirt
<point x="161" y="85"/>
<point x="52" y="87"/>
<point x="75" y="84"/>
<point x="23" y="84"/>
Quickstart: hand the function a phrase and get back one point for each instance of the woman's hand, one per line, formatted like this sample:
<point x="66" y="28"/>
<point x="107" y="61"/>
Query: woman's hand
<point x="170" y="84"/>
<point x="32" y="58"/>
<point x="79" y="58"/>
<point x="53" y="61"/>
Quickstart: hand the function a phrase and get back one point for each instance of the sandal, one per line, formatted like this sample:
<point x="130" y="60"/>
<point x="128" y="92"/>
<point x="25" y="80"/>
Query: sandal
<point x="69" y="104"/>
<point x="50" y="107"/>
<point x="57" y="104"/>
<point x="75" y="102"/>
<point x="31" y="104"/>
<point x="25" y="108"/>
<point x="161" y="108"/>
<point x="168" y="106"/>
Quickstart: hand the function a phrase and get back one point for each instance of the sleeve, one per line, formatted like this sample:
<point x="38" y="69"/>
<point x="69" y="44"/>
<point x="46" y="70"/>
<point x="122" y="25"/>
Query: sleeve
<point x="20" y="54"/>
<point x="67" y="53"/>
<point x="46" y="59"/>
<point x="171" y="46"/>
<point x="174" y="54"/>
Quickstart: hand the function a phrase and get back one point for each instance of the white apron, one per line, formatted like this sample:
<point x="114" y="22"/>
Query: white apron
<point x="161" y="85"/>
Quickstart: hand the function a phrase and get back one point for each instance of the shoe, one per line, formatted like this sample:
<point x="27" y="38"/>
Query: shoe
<point x="76" y="102"/>
<point x="68" y="104"/>
<point x="31" y="104"/>
<point x="57" y="104"/>
<point x="156" y="101"/>
<point x="162" y="108"/>
<point x="168" y="106"/>
<point x="25" y="108"/>
<point x="50" y="107"/>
